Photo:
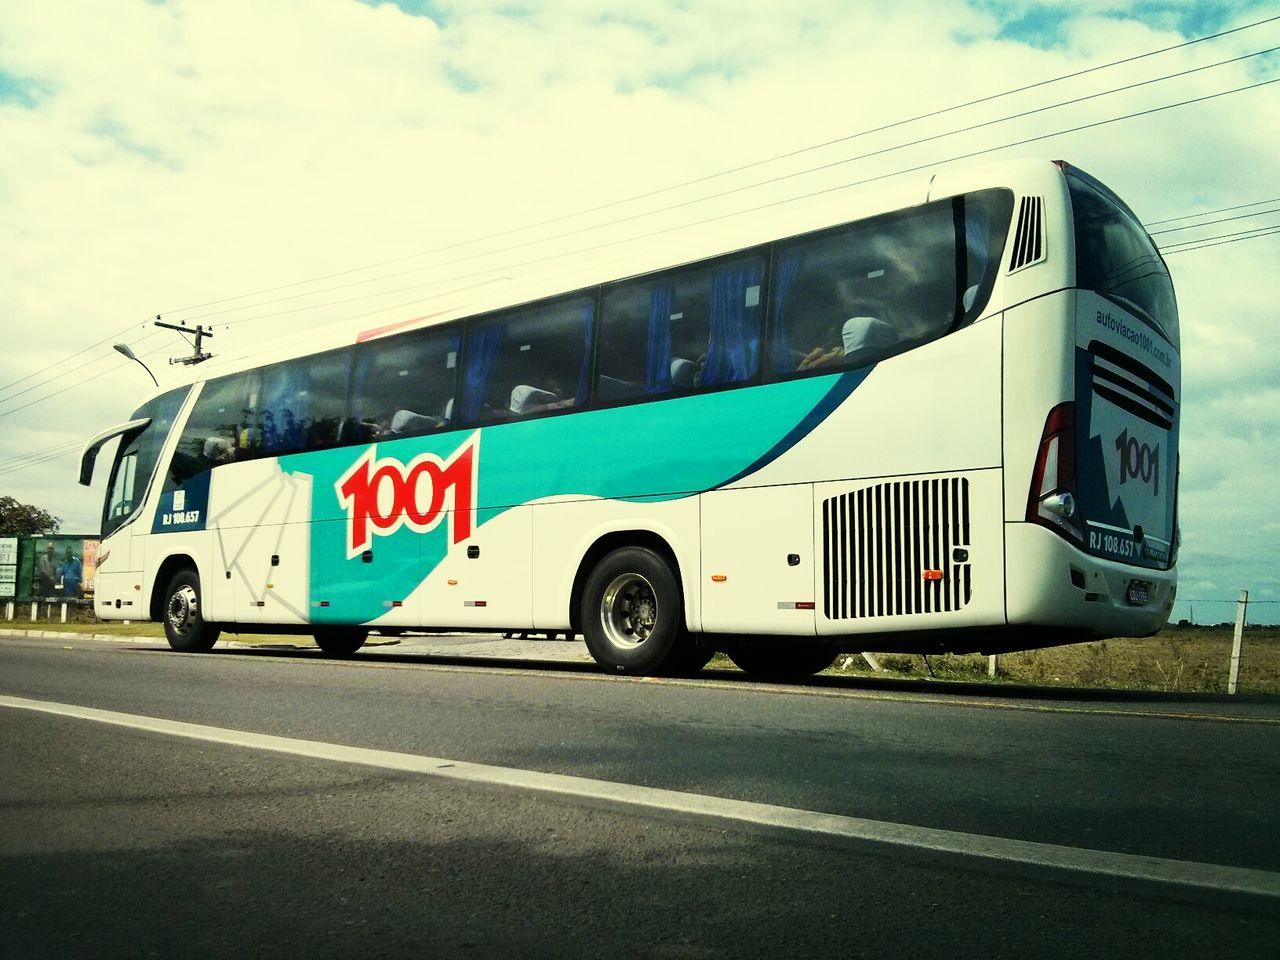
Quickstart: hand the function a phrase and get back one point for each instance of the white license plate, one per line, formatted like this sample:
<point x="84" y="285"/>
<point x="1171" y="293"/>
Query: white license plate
<point x="1139" y="593"/>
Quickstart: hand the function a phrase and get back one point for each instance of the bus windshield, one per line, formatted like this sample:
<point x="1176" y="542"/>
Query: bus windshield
<point x="1117" y="259"/>
<point x="136" y="459"/>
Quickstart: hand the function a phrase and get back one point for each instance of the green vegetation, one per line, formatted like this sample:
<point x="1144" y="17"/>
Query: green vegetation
<point x="1178" y="659"/>
<point x="25" y="520"/>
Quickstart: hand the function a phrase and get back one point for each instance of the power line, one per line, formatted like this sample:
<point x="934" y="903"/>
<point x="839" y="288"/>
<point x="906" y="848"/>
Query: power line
<point x="1220" y="243"/>
<point x="66" y="373"/>
<point x="671" y="188"/>
<point x="71" y="356"/>
<point x="845" y="186"/>
<point x="1221" y="236"/>
<point x="1207" y="223"/>
<point x="738" y="169"/>
<point x="722" y="194"/>
<point x="695" y="181"/>
<point x="7" y="470"/>
<point x="81" y="382"/>
<point x="39" y="453"/>
<point x="599" y="246"/>
<point x="772" y="204"/>
<point x="1205" y="213"/>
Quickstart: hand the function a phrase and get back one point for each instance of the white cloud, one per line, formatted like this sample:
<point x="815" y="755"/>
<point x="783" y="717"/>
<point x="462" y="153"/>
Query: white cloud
<point x="169" y="154"/>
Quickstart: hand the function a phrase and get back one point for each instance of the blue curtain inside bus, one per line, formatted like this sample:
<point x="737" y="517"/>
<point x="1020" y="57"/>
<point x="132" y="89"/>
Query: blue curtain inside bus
<point x="583" y="390"/>
<point x="780" y="348"/>
<point x="733" y="347"/>
<point x="483" y="345"/>
<point x="657" y="361"/>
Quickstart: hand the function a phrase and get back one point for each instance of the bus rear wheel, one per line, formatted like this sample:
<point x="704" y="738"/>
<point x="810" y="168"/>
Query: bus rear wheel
<point x="340" y="641"/>
<point x="184" y="624"/>
<point x="780" y="661"/>
<point x="633" y="613"/>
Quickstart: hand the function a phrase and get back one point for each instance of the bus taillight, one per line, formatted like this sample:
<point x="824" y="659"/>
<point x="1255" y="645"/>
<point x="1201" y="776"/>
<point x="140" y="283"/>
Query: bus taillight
<point x="1052" y="499"/>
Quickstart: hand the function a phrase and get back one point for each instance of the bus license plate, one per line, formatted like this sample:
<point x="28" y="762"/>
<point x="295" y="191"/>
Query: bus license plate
<point x="1139" y="593"/>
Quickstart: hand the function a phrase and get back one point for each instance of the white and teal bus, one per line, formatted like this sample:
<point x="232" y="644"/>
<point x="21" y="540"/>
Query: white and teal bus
<point x="948" y="422"/>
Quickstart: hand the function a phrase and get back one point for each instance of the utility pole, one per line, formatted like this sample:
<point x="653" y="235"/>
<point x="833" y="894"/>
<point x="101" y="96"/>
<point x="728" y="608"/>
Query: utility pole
<point x="198" y="355"/>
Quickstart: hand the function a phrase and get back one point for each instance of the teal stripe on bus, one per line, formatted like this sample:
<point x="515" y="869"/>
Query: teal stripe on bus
<point x="659" y="451"/>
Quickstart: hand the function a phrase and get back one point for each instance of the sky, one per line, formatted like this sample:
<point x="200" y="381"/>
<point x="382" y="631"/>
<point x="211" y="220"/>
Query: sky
<point x="285" y="171"/>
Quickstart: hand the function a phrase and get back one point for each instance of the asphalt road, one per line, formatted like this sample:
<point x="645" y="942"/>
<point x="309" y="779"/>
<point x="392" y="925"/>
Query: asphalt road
<point x="123" y="842"/>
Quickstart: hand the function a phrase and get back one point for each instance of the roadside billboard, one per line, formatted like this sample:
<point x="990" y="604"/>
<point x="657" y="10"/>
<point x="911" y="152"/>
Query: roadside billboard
<point x="62" y="568"/>
<point x="8" y="568"/>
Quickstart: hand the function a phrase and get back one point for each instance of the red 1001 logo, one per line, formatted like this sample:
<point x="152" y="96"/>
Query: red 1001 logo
<point x="381" y="495"/>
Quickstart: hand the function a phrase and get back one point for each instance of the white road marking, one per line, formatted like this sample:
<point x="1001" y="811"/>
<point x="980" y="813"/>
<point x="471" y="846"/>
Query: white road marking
<point x="1183" y="873"/>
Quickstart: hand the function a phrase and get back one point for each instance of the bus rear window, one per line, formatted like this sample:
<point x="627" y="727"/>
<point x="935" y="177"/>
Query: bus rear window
<point x="1116" y="258"/>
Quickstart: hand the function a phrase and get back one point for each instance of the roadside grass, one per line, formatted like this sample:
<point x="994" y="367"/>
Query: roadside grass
<point x="1178" y="659"/>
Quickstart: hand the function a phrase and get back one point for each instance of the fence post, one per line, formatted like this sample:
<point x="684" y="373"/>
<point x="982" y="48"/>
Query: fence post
<point x="64" y="612"/>
<point x="991" y="665"/>
<point x="8" y="610"/>
<point x="33" y="611"/>
<point x="1242" y="605"/>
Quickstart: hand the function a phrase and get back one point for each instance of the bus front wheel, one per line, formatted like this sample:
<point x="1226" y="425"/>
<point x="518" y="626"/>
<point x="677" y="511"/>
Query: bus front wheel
<point x="184" y="624"/>
<point x="632" y="612"/>
<point x="340" y="641"/>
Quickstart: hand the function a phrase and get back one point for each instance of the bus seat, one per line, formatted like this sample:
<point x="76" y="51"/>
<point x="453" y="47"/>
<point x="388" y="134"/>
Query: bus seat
<point x="527" y="399"/>
<point x="969" y="296"/>
<point x="866" y="339"/>
<point x="406" y="421"/>
<point x="682" y="373"/>
<point x="219" y="450"/>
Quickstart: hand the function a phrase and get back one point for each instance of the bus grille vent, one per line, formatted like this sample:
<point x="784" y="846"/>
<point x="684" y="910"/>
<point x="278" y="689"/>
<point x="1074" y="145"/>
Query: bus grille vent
<point x="1028" y="239"/>
<point x="897" y="549"/>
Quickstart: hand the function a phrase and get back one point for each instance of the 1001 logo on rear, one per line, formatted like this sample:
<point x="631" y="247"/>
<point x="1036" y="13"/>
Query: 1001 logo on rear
<point x="1139" y="461"/>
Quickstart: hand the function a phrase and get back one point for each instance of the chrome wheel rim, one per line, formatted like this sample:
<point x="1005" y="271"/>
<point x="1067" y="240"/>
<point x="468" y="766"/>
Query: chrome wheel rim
<point x="183" y="611"/>
<point x="628" y="610"/>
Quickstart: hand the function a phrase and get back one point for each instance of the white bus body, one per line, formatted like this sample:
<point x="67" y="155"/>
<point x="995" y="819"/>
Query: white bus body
<point x="916" y="431"/>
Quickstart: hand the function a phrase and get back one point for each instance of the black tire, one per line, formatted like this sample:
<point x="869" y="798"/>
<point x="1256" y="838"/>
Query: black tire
<point x="687" y="658"/>
<point x="781" y="659"/>
<point x="184" y="624"/>
<point x="633" y="612"/>
<point x="340" y="641"/>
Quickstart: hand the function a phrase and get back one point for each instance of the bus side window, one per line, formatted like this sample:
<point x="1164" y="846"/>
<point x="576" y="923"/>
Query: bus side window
<point x="985" y="215"/>
<point x="864" y="292"/>
<point x="403" y="386"/>
<point x="676" y="332"/>
<point x="528" y="361"/>
<point x="302" y="403"/>
<point x="213" y="429"/>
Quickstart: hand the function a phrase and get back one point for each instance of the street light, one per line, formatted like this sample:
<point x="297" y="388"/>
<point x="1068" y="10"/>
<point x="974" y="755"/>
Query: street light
<point x="123" y="348"/>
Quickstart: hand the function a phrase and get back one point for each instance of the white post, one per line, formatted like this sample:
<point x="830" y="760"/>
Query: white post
<point x="872" y="662"/>
<point x="991" y="665"/>
<point x="33" y="611"/>
<point x="8" y="610"/>
<point x="1242" y="605"/>
<point x="64" y="612"/>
